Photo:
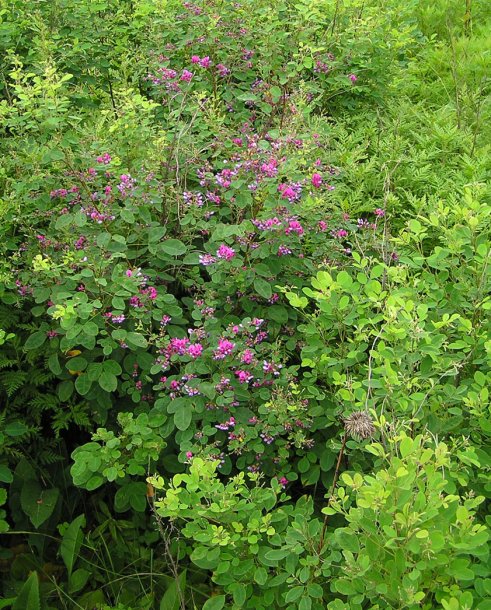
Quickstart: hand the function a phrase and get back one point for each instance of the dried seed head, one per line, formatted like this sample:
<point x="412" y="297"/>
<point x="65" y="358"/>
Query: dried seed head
<point x="359" y="425"/>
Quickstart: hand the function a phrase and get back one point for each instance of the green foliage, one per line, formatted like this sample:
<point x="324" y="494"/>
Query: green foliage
<point x="408" y="543"/>
<point x="244" y="304"/>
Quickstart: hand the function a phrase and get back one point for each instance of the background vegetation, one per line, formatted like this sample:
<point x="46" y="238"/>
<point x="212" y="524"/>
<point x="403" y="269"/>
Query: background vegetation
<point x="245" y="343"/>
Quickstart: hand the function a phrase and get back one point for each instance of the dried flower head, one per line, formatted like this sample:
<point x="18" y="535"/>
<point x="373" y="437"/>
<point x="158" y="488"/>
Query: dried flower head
<point x="359" y="425"/>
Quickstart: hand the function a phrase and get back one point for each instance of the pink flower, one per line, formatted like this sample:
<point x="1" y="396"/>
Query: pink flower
<point x="283" y="481"/>
<point x="292" y="191"/>
<point x="225" y="348"/>
<point x="288" y="193"/>
<point x="379" y="212"/>
<point x="186" y="76"/>
<point x="207" y="259"/>
<point x="179" y="346"/>
<point x="243" y="376"/>
<point x="322" y="225"/>
<point x="353" y="78"/>
<point x="105" y="159"/>
<point x="195" y="350"/>
<point x="189" y="454"/>
<point x="222" y="70"/>
<point x="294" y="227"/>
<point x="317" y="180"/>
<point x="340" y="233"/>
<point x="225" y="252"/>
<point x="226" y="425"/>
<point x="151" y="292"/>
<point x="247" y="357"/>
<point x="135" y="302"/>
<point x="195" y="59"/>
<point x="283" y="250"/>
<point x="205" y="62"/>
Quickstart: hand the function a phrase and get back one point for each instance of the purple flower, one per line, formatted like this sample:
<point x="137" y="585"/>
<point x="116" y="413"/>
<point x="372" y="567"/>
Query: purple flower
<point x="379" y="212"/>
<point x="243" y="376"/>
<point x="205" y="62"/>
<point x="225" y="252"/>
<point x="207" y="259"/>
<point x="178" y="346"/>
<point x="105" y="159"/>
<point x="247" y="357"/>
<point x="316" y="180"/>
<point x="353" y="78"/>
<point x="340" y="233"/>
<point x="294" y="227"/>
<point x="283" y="251"/>
<point x="195" y="350"/>
<point x="225" y="348"/>
<point x="226" y="425"/>
<point x="222" y="70"/>
<point x="292" y="191"/>
<point x="186" y="76"/>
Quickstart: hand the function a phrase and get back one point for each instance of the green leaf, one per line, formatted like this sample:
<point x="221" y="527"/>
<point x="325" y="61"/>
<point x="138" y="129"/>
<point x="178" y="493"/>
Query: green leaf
<point x="136" y="340"/>
<point x="54" y="364"/>
<point x="192" y="258"/>
<point x="108" y="381"/>
<point x="277" y="554"/>
<point x="83" y="384"/>
<point x="132" y="494"/>
<point x="112" y="367"/>
<point x="239" y="593"/>
<point x="347" y="540"/>
<point x="183" y="417"/>
<point x="215" y="603"/>
<point x="296" y="301"/>
<point x="72" y="540"/>
<point x="65" y="390"/>
<point x="37" y="503"/>
<point x="278" y="313"/>
<point x="406" y="446"/>
<point x="263" y="288"/>
<point x="294" y="593"/>
<point x="261" y="576"/>
<point x="15" y="428"/>
<point x="305" y="603"/>
<point x="172" y="597"/>
<point x="79" y="363"/>
<point x="35" y="340"/>
<point x="78" y="580"/>
<point x="28" y="598"/>
<point x="174" y="247"/>
<point x="275" y="93"/>
<point x="63" y="221"/>
<point x="91" y="329"/>
<point x="155" y="234"/>
<point x="6" y="475"/>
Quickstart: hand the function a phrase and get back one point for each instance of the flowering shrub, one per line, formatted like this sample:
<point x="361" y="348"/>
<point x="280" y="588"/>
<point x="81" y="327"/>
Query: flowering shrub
<point x="245" y="347"/>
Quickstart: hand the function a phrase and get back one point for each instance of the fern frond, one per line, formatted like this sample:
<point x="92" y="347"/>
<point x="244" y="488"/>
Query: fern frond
<point x="44" y="402"/>
<point x="11" y="381"/>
